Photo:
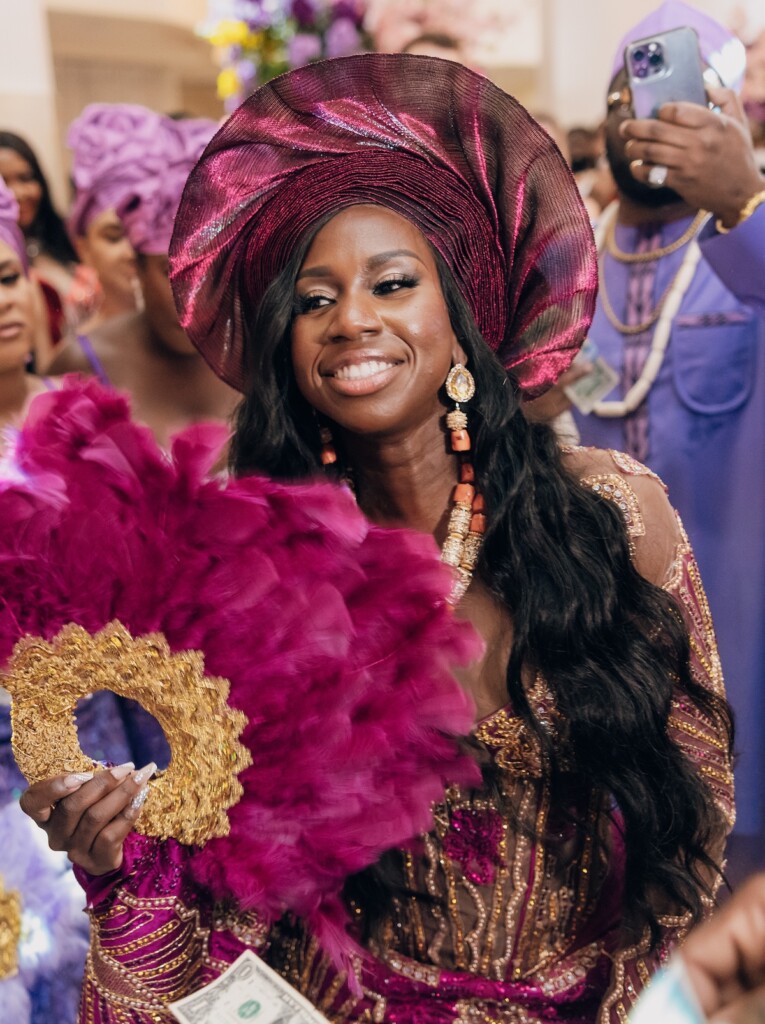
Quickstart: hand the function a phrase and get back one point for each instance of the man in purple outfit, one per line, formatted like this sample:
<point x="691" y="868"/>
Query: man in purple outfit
<point x="681" y="319"/>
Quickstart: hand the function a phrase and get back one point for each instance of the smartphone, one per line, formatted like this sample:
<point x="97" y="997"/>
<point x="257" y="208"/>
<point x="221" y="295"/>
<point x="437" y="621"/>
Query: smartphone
<point x="665" y="68"/>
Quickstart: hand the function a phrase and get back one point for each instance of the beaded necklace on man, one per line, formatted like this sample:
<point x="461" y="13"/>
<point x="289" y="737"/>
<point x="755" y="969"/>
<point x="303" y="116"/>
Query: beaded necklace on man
<point x="663" y="314"/>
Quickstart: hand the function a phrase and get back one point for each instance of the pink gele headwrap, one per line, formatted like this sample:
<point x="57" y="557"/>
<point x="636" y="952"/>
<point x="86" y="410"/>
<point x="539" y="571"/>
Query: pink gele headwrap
<point x="10" y="232"/>
<point x="148" y="209"/>
<point x="427" y="138"/>
<point x="116" y="147"/>
<point x="720" y="49"/>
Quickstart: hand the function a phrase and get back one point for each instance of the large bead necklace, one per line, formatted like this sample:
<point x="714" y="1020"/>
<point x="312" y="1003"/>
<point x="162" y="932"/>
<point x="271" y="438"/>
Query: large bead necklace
<point x="467" y="519"/>
<point x="663" y="316"/>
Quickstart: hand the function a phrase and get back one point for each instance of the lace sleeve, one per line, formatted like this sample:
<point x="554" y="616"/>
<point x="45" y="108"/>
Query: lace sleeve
<point x="153" y="940"/>
<point x="662" y="553"/>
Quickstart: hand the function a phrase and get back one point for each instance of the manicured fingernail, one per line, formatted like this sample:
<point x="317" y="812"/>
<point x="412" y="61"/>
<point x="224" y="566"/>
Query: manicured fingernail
<point x="77" y="779"/>
<point x="122" y="770"/>
<point x="145" y="773"/>
<point x="138" y="800"/>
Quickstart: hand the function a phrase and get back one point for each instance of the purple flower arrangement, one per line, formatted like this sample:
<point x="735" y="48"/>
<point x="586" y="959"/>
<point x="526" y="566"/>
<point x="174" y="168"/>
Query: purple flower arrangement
<point x="255" y="40"/>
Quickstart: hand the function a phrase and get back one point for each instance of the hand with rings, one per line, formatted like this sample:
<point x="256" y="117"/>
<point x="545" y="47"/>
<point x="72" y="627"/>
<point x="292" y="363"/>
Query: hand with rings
<point x="705" y="156"/>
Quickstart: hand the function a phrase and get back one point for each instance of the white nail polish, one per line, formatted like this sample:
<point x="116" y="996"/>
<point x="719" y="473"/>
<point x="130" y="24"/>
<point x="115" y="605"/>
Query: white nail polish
<point x="145" y="773"/>
<point x="77" y="779"/>
<point x="138" y="800"/>
<point x="122" y="770"/>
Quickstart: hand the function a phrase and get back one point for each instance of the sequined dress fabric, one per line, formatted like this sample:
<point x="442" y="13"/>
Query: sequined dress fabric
<point x="497" y="922"/>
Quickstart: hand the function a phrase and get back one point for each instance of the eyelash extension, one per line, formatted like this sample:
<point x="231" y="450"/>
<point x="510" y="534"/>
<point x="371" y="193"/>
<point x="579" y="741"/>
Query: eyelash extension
<point x="9" y="279"/>
<point x="304" y="303"/>
<point x="404" y="280"/>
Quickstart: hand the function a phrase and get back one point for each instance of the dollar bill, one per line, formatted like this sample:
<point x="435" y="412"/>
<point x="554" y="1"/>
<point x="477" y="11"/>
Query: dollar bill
<point x="669" y="999"/>
<point x="249" y="990"/>
<point x="586" y="392"/>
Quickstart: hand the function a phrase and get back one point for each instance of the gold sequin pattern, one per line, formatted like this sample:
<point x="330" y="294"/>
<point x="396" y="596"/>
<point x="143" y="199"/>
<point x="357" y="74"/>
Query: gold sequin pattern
<point x="189" y="800"/>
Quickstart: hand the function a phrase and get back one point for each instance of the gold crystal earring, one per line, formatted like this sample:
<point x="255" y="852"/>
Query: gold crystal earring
<point x="460" y="387"/>
<point x="467" y="520"/>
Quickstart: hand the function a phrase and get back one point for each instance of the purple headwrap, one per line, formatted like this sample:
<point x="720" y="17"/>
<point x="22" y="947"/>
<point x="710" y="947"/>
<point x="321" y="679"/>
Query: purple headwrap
<point x="115" y="147"/>
<point x="426" y="138"/>
<point x="10" y="232"/>
<point x="721" y="50"/>
<point x="148" y="209"/>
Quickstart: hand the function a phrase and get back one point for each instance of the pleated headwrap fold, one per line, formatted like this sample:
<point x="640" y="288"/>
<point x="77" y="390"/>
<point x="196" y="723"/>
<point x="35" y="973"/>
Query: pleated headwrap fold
<point x="430" y="140"/>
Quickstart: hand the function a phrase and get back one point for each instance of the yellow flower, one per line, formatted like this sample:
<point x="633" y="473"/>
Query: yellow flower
<point x="229" y="32"/>
<point x="253" y="40"/>
<point x="228" y="84"/>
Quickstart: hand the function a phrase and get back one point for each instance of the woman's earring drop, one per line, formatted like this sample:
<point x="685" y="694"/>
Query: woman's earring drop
<point x="467" y="521"/>
<point x="460" y="387"/>
<point x="328" y="453"/>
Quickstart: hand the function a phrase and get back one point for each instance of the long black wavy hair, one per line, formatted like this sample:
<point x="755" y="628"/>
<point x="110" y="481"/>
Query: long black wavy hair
<point x="610" y="645"/>
<point x="47" y="229"/>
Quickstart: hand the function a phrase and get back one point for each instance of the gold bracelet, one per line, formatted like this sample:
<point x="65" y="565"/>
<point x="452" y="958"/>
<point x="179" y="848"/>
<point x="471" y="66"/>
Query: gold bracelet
<point x="746" y="212"/>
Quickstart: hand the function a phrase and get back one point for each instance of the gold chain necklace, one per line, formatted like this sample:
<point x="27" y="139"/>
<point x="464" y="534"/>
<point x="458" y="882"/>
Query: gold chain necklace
<point x="633" y="329"/>
<point x="655" y="254"/>
<point x="671" y="303"/>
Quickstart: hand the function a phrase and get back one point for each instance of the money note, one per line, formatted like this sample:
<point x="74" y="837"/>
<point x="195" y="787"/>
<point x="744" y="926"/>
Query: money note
<point x="248" y="991"/>
<point x="669" y="998"/>
<point x="586" y="392"/>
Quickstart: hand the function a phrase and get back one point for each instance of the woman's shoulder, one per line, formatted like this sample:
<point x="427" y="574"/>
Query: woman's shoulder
<point x="653" y="528"/>
<point x="586" y="463"/>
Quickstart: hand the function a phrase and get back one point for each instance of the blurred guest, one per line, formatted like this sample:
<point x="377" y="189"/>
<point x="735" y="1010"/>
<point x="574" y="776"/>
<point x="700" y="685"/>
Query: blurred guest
<point x="17" y="316"/>
<point x="51" y="951"/>
<point x="147" y="352"/>
<point x="436" y="44"/>
<point x="70" y="289"/>
<point x="681" y="318"/>
<point x="103" y="140"/>
<point x="586" y="150"/>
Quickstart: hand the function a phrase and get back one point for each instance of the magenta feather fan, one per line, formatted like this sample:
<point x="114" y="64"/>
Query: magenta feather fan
<point x="335" y="635"/>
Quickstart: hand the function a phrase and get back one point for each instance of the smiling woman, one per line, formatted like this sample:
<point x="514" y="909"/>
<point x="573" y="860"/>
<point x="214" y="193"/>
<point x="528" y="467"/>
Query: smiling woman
<point x="386" y="254"/>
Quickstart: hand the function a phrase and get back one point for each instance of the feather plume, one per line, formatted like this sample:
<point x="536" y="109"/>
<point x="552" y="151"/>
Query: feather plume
<point x="335" y="634"/>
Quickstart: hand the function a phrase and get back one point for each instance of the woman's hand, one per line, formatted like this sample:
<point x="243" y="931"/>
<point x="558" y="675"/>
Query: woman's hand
<point x="89" y="816"/>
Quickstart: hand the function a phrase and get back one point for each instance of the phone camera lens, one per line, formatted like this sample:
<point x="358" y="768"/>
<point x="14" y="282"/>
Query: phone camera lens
<point x="638" y="56"/>
<point x="655" y="60"/>
<point x="641" y="72"/>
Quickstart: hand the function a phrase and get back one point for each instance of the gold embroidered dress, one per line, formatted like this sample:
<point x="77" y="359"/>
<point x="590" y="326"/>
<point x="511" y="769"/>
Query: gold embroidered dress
<point x="506" y="911"/>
